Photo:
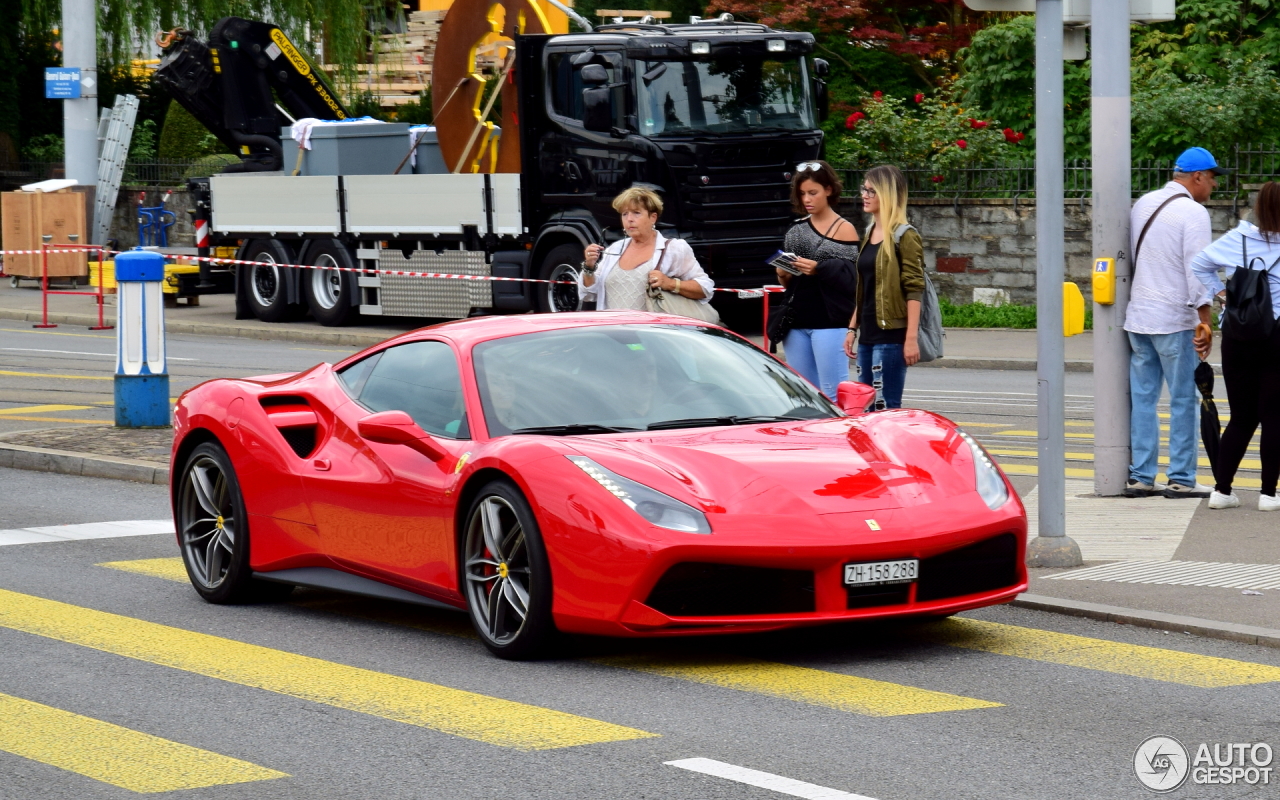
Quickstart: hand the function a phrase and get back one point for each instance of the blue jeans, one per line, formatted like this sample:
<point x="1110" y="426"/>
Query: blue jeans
<point x="1169" y="358"/>
<point x="884" y="367"/>
<point x="818" y="355"/>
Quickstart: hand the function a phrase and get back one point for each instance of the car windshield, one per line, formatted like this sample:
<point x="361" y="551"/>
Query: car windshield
<point x="635" y="377"/>
<point x="722" y="96"/>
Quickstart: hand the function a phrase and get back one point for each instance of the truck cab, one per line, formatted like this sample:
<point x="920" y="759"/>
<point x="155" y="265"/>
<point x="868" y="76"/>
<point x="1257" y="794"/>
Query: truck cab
<point x="713" y="116"/>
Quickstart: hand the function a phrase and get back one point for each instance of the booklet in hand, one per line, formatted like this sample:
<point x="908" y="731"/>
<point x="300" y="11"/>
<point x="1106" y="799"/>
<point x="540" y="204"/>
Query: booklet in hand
<point x="784" y="261"/>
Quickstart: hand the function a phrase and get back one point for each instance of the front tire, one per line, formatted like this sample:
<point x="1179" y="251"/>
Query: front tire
<point x="561" y="264"/>
<point x="506" y="576"/>
<point x="329" y="291"/>
<point x="213" y="530"/>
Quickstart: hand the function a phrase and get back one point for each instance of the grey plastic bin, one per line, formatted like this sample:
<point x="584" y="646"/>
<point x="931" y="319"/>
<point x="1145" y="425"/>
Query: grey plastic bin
<point x="353" y="148"/>
<point x="428" y="160"/>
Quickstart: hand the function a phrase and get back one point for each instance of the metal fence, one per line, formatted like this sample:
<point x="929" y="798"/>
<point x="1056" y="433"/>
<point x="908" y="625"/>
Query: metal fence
<point x="149" y="173"/>
<point x="1250" y="165"/>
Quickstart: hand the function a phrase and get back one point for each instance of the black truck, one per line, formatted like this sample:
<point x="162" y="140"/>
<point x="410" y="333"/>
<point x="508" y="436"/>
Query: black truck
<point x="713" y="115"/>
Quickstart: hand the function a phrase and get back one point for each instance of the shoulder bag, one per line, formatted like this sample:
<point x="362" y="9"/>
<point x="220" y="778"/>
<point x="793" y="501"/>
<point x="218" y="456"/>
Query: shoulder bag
<point x="930" y="334"/>
<point x="660" y="301"/>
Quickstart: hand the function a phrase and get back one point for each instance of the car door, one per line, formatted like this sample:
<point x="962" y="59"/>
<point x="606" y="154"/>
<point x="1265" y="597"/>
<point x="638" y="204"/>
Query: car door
<point x="384" y="509"/>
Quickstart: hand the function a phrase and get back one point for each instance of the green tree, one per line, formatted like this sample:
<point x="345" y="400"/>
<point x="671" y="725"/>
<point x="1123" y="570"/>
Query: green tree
<point x="183" y="137"/>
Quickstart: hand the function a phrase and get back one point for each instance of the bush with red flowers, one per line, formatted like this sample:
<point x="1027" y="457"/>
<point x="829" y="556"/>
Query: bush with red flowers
<point x="937" y="179"/>
<point x="933" y="132"/>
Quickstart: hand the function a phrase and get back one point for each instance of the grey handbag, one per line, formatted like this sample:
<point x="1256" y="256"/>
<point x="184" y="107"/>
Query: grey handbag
<point x="660" y="301"/>
<point x="930" y="334"/>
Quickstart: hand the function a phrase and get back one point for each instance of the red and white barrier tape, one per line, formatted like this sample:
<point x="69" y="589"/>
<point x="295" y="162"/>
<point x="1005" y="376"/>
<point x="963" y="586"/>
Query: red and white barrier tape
<point x="743" y="293"/>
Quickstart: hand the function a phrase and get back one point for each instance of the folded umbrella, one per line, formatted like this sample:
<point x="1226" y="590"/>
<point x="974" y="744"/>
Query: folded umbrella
<point x="1210" y="425"/>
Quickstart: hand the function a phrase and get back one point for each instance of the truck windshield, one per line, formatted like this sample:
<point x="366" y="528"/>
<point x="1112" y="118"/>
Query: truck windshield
<point x="722" y="96"/>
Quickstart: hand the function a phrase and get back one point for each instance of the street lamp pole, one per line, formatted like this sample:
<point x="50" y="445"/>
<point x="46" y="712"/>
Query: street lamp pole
<point x="1052" y="547"/>
<point x="1111" y="200"/>
<point x="80" y="117"/>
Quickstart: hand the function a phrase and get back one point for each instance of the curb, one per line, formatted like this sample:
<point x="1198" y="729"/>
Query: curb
<point x="65" y="462"/>
<point x="1211" y="629"/>
<point x="277" y="333"/>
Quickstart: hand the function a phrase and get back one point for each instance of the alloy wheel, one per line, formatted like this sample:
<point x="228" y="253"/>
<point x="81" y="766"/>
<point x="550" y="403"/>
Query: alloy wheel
<point x="208" y="523"/>
<point x="497" y="569"/>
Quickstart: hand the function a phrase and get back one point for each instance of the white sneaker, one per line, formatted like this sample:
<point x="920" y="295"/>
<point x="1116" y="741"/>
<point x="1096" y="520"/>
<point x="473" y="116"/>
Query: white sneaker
<point x="1219" y="500"/>
<point x="1268" y="502"/>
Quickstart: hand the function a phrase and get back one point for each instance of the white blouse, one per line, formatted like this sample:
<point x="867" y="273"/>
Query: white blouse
<point x="679" y="263"/>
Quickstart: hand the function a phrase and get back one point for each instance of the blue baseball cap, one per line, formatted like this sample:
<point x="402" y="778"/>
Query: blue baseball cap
<point x="1197" y="159"/>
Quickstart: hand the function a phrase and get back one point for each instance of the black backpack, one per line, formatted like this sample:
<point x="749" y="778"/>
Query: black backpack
<point x="1248" y="315"/>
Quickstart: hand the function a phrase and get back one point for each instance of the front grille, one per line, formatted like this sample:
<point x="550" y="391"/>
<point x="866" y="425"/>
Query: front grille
<point x="983" y="567"/>
<point x="694" y="589"/>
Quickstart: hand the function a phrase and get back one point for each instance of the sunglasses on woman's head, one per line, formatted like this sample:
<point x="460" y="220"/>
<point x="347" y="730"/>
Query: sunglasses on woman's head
<point x="806" y="166"/>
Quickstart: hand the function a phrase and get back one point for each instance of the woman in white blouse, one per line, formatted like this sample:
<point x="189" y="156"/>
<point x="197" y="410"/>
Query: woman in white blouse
<point x="620" y="275"/>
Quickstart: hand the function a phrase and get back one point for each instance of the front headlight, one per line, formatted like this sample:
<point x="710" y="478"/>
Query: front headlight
<point x="991" y="486"/>
<point x="656" y="507"/>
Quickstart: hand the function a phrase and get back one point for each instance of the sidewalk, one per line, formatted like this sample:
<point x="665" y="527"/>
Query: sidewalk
<point x="966" y="348"/>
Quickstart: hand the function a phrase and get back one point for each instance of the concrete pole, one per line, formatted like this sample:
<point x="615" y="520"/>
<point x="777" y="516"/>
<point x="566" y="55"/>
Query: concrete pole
<point x="80" y="117"/>
<point x="1052" y="547"/>
<point x="1111" y="201"/>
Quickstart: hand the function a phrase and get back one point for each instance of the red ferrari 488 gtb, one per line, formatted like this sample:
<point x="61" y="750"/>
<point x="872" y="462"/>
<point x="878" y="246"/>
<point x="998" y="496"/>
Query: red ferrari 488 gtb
<point x="612" y="473"/>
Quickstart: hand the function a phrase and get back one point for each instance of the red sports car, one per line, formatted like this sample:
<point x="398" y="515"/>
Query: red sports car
<point x="611" y="473"/>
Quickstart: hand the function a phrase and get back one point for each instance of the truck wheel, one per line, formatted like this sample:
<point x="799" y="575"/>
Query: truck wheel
<point x="329" y="291"/>
<point x="268" y="293"/>
<point x="561" y="264"/>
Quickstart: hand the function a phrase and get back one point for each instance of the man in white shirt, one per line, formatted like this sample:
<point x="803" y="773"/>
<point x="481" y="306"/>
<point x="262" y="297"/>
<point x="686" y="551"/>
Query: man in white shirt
<point x="1169" y="227"/>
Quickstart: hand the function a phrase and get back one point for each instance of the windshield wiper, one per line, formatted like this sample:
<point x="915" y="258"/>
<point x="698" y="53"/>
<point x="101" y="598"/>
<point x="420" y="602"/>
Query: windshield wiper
<point x="704" y="422"/>
<point x="572" y="430"/>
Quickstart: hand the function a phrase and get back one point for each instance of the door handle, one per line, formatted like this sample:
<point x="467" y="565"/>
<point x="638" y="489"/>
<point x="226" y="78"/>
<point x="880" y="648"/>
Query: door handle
<point x="321" y="463"/>
<point x="572" y="172"/>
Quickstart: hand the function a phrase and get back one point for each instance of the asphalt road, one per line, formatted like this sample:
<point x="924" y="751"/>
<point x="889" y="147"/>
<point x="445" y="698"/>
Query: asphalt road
<point x="393" y="701"/>
<point x="330" y="697"/>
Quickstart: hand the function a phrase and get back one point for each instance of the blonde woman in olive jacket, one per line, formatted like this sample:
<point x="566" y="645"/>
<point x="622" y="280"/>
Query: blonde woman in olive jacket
<point x="886" y="312"/>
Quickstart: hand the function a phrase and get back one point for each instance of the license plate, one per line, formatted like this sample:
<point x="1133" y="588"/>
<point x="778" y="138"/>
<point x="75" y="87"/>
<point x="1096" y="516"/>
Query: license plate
<point x="903" y="571"/>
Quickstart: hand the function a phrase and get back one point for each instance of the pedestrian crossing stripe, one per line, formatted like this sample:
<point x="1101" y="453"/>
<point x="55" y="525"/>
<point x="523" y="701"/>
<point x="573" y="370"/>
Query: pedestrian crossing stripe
<point x="470" y="715"/>
<point x="802" y="684"/>
<point x="1139" y="661"/>
<point x="113" y="754"/>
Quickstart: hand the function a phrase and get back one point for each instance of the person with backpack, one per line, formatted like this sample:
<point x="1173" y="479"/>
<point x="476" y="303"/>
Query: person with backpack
<point x="810" y="319"/>
<point x="1249" y="255"/>
<point x="890" y="287"/>
<point x="1170" y="227"/>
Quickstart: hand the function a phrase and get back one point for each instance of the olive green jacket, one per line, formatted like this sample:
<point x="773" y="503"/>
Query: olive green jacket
<point x="899" y="277"/>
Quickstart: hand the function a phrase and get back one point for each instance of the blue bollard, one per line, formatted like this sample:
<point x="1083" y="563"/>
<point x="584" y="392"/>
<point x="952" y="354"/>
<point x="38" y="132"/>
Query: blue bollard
<point x="142" y="373"/>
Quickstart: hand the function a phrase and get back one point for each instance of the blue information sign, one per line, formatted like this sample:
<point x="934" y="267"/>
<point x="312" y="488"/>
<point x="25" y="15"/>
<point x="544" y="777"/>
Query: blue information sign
<point x="62" y="83"/>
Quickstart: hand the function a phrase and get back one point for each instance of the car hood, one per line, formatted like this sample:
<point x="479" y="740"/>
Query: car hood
<point x="892" y="459"/>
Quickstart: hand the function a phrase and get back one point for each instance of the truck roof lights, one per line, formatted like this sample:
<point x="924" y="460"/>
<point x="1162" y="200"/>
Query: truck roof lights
<point x="700" y="48"/>
<point x="776" y="45"/>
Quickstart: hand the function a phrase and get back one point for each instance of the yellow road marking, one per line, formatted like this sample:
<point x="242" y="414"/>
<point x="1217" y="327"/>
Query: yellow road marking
<point x="58" y="419"/>
<point x="1031" y="469"/>
<point x="171" y="569"/>
<point x="505" y="723"/>
<point x="41" y="409"/>
<point x="119" y="756"/>
<point x="1171" y="666"/>
<point x="51" y="375"/>
<point x="1164" y="460"/>
<point x="57" y="333"/>
<point x="985" y="424"/>
<point x="802" y="684"/>
<point x="1034" y="435"/>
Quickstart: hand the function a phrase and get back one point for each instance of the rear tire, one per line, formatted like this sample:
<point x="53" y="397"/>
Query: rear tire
<point x="562" y="263"/>
<point x="505" y="574"/>
<point x="213" y="531"/>
<point x="267" y="287"/>
<point x="330" y="292"/>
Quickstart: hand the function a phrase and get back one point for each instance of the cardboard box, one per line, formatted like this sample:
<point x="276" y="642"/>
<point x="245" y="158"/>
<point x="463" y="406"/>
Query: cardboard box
<point x="26" y="217"/>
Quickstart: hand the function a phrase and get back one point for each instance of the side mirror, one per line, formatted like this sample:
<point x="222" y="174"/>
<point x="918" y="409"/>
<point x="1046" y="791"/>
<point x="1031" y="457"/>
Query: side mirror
<point x="821" y="104"/>
<point x="597" y="108"/>
<point x="397" y="427"/>
<point x="855" y="398"/>
<point x="594" y="75"/>
<point x="821" y="68"/>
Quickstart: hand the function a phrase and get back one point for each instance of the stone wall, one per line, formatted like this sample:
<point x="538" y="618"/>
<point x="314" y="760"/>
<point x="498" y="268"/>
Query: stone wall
<point x="124" y="224"/>
<point x="991" y="244"/>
